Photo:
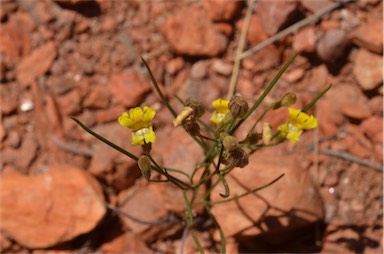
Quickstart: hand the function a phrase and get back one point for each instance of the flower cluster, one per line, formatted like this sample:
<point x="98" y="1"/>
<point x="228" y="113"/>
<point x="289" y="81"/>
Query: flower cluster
<point x="139" y="120"/>
<point x="298" y="121"/>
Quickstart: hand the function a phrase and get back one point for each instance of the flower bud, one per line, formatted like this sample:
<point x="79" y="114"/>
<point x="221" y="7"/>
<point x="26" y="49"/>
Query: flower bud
<point x="187" y="111"/>
<point x="238" y="106"/>
<point x="191" y="126"/>
<point x="253" y="138"/>
<point x="288" y="100"/>
<point x="195" y="104"/>
<point x="267" y="133"/>
<point x="145" y="166"/>
<point x="275" y="105"/>
<point x="236" y="158"/>
<point x="230" y="143"/>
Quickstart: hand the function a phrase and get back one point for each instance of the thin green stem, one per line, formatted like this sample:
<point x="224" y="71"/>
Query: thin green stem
<point x="162" y="96"/>
<point x="222" y="237"/>
<point x="245" y="194"/>
<point x="310" y="105"/>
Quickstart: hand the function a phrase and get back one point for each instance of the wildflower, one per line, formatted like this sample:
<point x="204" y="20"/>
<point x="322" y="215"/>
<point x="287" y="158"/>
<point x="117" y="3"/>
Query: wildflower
<point x="221" y="109"/>
<point x="139" y="120"/>
<point x="298" y="121"/>
<point x="238" y="106"/>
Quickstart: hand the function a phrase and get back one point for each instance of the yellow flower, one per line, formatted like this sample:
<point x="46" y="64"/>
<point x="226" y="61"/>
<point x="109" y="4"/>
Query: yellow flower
<point x="298" y="121"/>
<point x="139" y="120"/>
<point x="221" y="109"/>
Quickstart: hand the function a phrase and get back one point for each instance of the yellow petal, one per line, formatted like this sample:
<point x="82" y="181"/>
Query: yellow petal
<point x="125" y="120"/>
<point x="148" y="114"/>
<point x="221" y="105"/>
<point x="294" y="136"/>
<point x="151" y="136"/>
<point x="301" y="120"/>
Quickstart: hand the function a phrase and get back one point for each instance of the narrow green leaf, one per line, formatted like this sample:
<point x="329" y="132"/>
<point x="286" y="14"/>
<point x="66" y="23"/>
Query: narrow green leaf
<point x="310" y="105"/>
<point x="162" y="96"/>
<point x="113" y="145"/>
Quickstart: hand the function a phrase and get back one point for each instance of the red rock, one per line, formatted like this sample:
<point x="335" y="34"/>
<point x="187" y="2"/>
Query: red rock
<point x="40" y="12"/>
<point x="318" y="78"/>
<point x="98" y="98"/>
<point x="305" y="40"/>
<point x="219" y="10"/>
<point x="263" y="59"/>
<point x="274" y="202"/>
<point x="373" y="128"/>
<point x="182" y="151"/>
<point x="108" y="115"/>
<point x="349" y="100"/>
<point x="3" y="132"/>
<point x="294" y="75"/>
<point x="224" y="28"/>
<point x="22" y="157"/>
<point x="150" y="202"/>
<point x="199" y="70"/>
<point x="376" y="105"/>
<point x="331" y="46"/>
<point x="125" y="243"/>
<point x="119" y="170"/>
<point x="275" y="14"/>
<point x="256" y="33"/>
<point x="368" y="69"/>
<point x="70" y="103"/>
<point x="28" y="70"/>
<point x="315" y="6"/>
<point x="15" y="41"/>
<point x="195" y="36"/>
<point x="174" y="65"/>
<point x="52" y="207"/>
<point x="222" y="67"/>
<point x="357" y="143"/>
<point x="370" y="36"/>
<point x="128" y="88"/>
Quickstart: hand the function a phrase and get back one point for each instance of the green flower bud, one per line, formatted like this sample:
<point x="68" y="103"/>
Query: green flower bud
<point x="275" y="105"/>
<point x="238" y="106"/>
<point x="230" y="143"/>
<point x="195" y="104"/>
<point x="144" y="163"/>
<point x="288" y="100"/>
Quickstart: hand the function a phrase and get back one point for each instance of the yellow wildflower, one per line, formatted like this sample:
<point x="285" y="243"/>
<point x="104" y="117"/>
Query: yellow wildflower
<point x="139" y="120"/>
<point x="221" y="109"/>
<point x="298" y="121"/>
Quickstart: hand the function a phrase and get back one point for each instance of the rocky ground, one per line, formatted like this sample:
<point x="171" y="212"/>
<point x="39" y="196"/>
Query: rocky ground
<point x="82" y="58"/>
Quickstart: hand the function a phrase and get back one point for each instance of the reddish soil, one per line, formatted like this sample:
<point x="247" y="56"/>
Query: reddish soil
<point x="82" y="58"/>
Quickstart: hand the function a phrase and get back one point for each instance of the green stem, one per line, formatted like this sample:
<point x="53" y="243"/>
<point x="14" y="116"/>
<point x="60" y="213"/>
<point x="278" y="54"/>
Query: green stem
<point x="106" y="141"/>
<point x="222" y="237"/>
<point x="162" y="96"/>
<point x="244" y="194"/>
<point x="316" y="98"/>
